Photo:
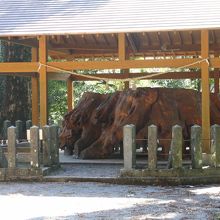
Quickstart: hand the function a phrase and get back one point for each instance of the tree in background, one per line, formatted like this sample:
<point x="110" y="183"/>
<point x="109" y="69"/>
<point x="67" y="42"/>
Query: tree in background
<point x="57" y="100"/>
<point x="57" y="95"/>
<point x="15" y="91"/>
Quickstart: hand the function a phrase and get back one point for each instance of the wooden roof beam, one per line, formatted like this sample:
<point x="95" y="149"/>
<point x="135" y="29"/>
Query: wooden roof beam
<point x="84" y="38"/>
<point x="128" y="64"/>
<point x="27" y="67"/>
<point x="148" y="38"/>
<point x="169" y="38"/>
<point x="180" y="37"/>
<point x="132" y="43"/>
<point x="105" y="39"/>
<point x="213" y="36"/>
<point x="72" y="37"/>
<point x="95" y="40"/>
<point x="159" y="39"/>
<point x="168" y="75"/>
<point x="146" y="49"/>
<point x="121" y="46"/>
<point x="32" y="44"/>
<point x="191" y="37"/>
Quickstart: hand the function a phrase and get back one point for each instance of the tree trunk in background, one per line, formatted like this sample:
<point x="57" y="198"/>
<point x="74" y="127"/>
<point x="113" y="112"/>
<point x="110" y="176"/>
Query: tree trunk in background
<point x="15" y="102"/>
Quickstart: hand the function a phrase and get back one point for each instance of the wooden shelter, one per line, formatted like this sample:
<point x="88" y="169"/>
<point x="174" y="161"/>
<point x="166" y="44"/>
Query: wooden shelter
<point x="113" y="34"/>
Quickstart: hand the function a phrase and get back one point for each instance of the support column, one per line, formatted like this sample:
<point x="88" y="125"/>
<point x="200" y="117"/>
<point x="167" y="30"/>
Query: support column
<point x="35" y="90"/>
<point x="122" y="55"/>
<point x="70" y="102"/>
<point x="216" y="83"/>
<point x="126" y="84"/>
<point x="43" y="80"/>
<point x="205" y="92"/>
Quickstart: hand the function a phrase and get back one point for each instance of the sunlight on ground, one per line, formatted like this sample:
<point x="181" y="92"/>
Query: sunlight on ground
<point x="208" y="190"/>
<point x="28" y="207"/>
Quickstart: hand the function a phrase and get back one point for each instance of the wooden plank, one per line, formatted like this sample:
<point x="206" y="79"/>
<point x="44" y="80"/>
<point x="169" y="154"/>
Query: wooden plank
<point x="27" y="67"/>
<point x="205" y="92"/>
<point x="169" y="75"/>
<point x="127" y="83"/>
<point x="126" y="64"/>
<point x="35" y="91"/>
<point x="22" y="67"/>
<point x="122" y="55"/>
<point x="43" y="81"/>
<point x="121" y="46"/>
<point x="69" y="94"/>
<point x="214" y="62"/>
<point x="216" y="83"/>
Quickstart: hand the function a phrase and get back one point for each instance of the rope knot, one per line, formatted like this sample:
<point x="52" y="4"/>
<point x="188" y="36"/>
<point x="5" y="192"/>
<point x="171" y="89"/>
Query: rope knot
<point x="39" y="67"/>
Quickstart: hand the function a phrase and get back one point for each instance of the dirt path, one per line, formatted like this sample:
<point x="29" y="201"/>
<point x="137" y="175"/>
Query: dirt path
<point x="103" y="201"/>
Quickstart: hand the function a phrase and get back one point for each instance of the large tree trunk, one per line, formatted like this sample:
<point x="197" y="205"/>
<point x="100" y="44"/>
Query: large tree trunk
<point x="94" y="128"/>
<point x="15" y="102"/>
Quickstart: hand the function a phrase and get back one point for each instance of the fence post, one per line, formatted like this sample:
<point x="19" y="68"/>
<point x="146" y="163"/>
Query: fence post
<point x="46" y="146"/>
<point x="196" y="146"/>
<point x="176" y="147"/>
<point x="3" y="160"/>
<point x="35" y="146"/>
<point x="19" y="129"/>
<point x="152" y="147"/>
<point x="28" y="124"/>
<point x="12" y="147"/>
<point x="54" y="144"/>
<point x="6" y="125"/>
<point x="215" y="146"/>
<point x="129" y="145"/>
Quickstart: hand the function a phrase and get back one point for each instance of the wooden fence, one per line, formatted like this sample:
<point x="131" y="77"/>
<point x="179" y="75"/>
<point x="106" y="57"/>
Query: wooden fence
<point x="175" y="161"/>
<point x="41" y="150"/>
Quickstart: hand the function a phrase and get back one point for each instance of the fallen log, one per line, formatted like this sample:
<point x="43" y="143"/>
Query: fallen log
<point x="94" y="128"/>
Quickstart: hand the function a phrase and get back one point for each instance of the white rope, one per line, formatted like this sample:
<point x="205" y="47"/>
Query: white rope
<point x="95" y="77"/>
<point x="39" y="67"/>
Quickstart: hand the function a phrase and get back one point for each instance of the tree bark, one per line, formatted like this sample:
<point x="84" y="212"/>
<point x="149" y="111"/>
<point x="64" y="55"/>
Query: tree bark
<point x="15" y="102"/>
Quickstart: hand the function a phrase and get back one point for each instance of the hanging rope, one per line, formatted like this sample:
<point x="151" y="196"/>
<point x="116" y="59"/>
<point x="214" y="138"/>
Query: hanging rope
<point x="95" y="77"/>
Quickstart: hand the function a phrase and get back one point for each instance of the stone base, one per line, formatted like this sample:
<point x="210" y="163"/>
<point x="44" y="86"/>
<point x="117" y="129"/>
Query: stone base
<point x="207" y="160"/>
<point x="67" y="152"/>
<point x="32" y="174"/>
<point x="172" y="176"/>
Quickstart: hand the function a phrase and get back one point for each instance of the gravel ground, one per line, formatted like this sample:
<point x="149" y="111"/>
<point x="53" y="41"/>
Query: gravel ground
<point x="88" y="170"/>
<point x="105" y="201"/>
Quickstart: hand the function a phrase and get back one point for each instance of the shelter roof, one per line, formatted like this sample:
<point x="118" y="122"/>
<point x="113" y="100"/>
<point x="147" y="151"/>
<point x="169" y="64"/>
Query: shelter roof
<point x="51" y="17"/>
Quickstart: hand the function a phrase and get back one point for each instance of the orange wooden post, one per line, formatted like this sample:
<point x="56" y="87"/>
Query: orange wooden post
<point x="126" y="85"/>
<point x="205" y="92"/>
<point x="70" y="103"/>
<point x="122" y="55"/>
<point x="35" y="90"/>
<point x="43" y="80"/>
<point x="216" y="83"/>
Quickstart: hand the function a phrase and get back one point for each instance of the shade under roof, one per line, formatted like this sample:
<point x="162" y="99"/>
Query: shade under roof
<point x="36" y="17"/>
